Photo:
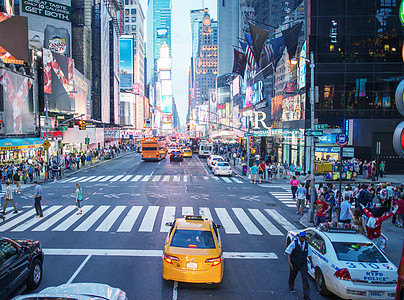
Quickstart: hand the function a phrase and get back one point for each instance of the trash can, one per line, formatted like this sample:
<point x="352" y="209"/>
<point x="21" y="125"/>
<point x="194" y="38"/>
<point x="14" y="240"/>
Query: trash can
<point x="244" y="169"/>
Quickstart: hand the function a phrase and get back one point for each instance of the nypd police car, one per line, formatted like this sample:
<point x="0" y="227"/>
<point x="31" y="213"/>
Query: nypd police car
<point x="348" y="264"/>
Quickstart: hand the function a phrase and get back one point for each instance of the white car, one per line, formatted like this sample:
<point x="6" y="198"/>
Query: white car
<point x="222" y="168"/>
<point x="348" y="264"/>
<point x="212" y="158"/>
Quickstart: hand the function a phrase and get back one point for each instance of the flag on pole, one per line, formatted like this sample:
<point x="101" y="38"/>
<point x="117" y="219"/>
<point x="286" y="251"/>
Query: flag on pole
<point x="239" y="63"/>
<point x="248" y="53"/>
<point x="291" y="36"/>
<point x="258" y="37"/>
<point x="278" y="45"/>
<point x="269" y="52"/>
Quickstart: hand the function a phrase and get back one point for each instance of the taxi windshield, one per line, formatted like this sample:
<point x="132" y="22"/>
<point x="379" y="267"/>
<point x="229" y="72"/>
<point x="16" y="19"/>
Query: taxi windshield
<point x="193" y="239"/>
<point x="358" y="252"/>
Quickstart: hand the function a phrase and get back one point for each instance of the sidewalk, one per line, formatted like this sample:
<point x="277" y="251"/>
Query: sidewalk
<point x="69" y="172"/>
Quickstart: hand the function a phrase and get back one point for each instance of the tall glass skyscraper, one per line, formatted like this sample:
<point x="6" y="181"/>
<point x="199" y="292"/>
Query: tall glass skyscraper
<point x="158" y="33"/>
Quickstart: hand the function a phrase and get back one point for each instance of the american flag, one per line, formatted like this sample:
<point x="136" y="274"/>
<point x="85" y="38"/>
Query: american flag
<point x="269" y="52"/>
<point x="248" y="53"/>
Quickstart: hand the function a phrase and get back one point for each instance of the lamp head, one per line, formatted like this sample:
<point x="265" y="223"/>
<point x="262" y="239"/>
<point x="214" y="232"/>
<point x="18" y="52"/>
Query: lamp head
<point x="293" y="61"/>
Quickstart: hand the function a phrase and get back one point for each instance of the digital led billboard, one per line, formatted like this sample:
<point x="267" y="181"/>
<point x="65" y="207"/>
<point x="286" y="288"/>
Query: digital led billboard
<point x="126" y="63"/>
<point x="167" y="104"/>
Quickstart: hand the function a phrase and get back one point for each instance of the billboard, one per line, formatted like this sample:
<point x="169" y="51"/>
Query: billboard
<point x="257" y="94"/>
<point x="18" y="115"/>
<point x="162" y="32"/>
<point x="276" y="106"/>
<point x="83" y="96"/>
<point x="291" y="108"/>
<point x="166" y="87"/>
<point x="13" y="39"/>
<point x="49" y="25"/>
<point x="301" y="76"/>
<point x="167" y="104"/>
<point x="126" y="62"/>
<point x="105" y="79"/>
<point x="58" y="79"/>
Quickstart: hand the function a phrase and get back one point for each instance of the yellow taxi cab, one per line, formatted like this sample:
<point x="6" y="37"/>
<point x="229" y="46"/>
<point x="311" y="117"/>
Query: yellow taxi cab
<point x="193" y="251"/>
<point x="187" y="152"/>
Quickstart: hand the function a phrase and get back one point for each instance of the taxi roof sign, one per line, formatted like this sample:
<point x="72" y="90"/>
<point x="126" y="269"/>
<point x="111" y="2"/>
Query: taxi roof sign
<point x="194" y="218"/>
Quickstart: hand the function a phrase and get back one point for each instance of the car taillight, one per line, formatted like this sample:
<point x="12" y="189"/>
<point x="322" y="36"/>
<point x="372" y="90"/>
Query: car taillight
<point x="169" y="259"/>
<point x="343" y="274"/>
<point x="215" y="261"/>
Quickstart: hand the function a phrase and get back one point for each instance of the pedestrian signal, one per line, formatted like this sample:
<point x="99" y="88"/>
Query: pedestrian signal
<point x="82" y="125"/>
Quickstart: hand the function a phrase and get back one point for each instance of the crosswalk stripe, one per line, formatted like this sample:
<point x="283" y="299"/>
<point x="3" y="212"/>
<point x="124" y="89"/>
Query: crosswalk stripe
<point x="68" y="179"/>
<point x="146" y="178"/>
<point x="280" y="219"/>
<point x="8" y="225"/>
<point x="11" y="214"/>
<point x="33" y="221"/>
<point x="66" y="224"/>
<point x="96" y="179"/>
<point x="111" y="218"/>
<point x="290" y="205"/>
<point x="156" y="177"/>
<point x="130" y="219"/>
<point x="126" y="178"/>
<point x="227" y="180"/>
<point x="136" y="178"/>
<point x="237" y="180"/>
<point x="86" y="225"/>
<point x="166" y="178"/>
<point x="226" y="221"/>
<point x="187" y="211"/>
<point x="205" y="212"/>
<point x="268" y="226"/>
<point x="168" y="216"/>
<point x="106" y="178"/>
<point x="116" y="178"/>
<point x="216" y="178"/>
<point x="176" y="178"/>
<point x="149" y="219"/>
<point x="185" y="178"/>
<point x="86" y="178"/>
<point x="51" y="221"/>
<point x="246" y="222"/>
<point x="206" y="177"/>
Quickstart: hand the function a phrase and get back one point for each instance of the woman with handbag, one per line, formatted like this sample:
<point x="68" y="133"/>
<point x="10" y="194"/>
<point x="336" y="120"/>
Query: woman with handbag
<point x="79" y="198"/>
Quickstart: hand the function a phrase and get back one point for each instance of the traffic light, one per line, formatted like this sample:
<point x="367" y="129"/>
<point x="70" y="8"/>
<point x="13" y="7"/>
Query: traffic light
<point x="188" y="127"/>
<point x="240" y="139"/>
<point x="82" y="125"/>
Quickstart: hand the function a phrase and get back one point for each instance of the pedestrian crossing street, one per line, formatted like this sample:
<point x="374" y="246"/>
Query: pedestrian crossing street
<point x="285" y="197"/>
<point x="147" y="178"/>
<point x="125" y="219"/>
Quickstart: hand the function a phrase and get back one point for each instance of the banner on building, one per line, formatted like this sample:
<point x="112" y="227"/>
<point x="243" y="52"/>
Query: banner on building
<point x="83" y="96"/>
<point x="258" y="37"/>
<point x="13" y="39"/>
<point x="47" y="9"/>
<point x="239" y="63"/>
<point x="126" y="63"/>
<point x="291" y="36"/>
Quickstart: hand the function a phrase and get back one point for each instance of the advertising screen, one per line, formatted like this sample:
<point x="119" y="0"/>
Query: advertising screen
<point x="291" y="108"/>
<point x="105" y="64"/>
<point x="167" y="104"/>
<point x="126" y="62"/>
<point x="162" y="32"/>
<point x="18" y="115"/>
<point x="301" y="77"/>
<point x="257" y="95"/>
<point x="13" y="50"/>
<point x="276" y="106"/>
<point x="166" y="87"/>
<point x="58" y="73"/>
<point x="83" y="96"/>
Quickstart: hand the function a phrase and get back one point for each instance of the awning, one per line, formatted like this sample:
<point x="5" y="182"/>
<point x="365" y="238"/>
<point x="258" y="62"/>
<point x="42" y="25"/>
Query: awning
<point x="15" y="144"/>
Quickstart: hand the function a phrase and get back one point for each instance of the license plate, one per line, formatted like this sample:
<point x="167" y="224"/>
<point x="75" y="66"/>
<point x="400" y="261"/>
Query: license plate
<point x="376" y="294"/>
<point x="192" y="265"/>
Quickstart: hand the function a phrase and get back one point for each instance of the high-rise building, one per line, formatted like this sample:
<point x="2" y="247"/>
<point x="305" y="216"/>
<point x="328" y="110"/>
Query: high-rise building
<point x="158" y="33"/>
<point x="228" y="15"/>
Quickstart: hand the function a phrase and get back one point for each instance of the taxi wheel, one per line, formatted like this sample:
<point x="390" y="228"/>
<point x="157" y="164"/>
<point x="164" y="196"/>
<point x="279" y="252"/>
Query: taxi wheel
<point x="320" y="283"/>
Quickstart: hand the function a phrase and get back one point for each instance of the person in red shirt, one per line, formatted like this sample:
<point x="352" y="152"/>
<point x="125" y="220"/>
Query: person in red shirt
<point x="400" y="213"/>
<point x="322" y="209"/>
<point x="294" y="184"/>
<point x="374" y="225"/>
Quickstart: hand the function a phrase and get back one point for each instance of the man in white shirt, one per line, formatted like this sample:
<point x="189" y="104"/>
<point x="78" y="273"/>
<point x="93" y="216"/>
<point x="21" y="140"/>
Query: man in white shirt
<point x="297" y="254"/>
<point x="8" y="197"/>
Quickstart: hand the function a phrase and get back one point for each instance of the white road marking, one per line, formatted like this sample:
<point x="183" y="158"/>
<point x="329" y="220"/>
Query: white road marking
<point x="96" y="179"/>
<point x="206" y="177"/>
<point x="166" y="178"/>
<point x="66" y="224"/>
<point x="226" y="221"/>
<point x="86" y="179"/>
<point x="187" y="211"/>
<point x="149" y="219"/>
<point x="136" y="178"/>
<point x="176" y="178"/>
<point x="68" y="179"/>
<point x="156" y="178"/>
<point x="175" y="290"/>
<point x="205" y="212"/>
<point x="185" y="178"/>
<point x="281" y="220"/>
<point x="106" y="178"/>
<point x="126" y="178"/>
<point x="111" y="218"/>
<point x="268" y="226"/>
<point x="146" y="178"/>
<point x="86" y="225"/>
<point x="148" y="253"/>
<point x="168" y="216"/>
<point x="33" y="221"/>
<point x="227" y="180"/>
<point x="78" y="269"/>
<point x="246" y="222"/>
<point x="51" y="221"/>
<point x="116" y="178"/>
<point x="130" y="219"/>
<point x="237" y="180"/>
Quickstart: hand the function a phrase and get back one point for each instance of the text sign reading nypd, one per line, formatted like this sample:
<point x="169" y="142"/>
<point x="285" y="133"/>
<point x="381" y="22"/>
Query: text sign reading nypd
<point x="342" y="139"/>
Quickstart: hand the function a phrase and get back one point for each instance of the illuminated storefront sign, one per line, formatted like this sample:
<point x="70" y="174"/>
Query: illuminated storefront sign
<point x="401" y="12"/>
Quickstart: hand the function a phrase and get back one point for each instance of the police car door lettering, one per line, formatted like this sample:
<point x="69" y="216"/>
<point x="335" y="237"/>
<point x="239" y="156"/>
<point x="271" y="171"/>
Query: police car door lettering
<point x="374" y="266"/>
<point x="350" y="265"/>
<point x="363" y="265"/>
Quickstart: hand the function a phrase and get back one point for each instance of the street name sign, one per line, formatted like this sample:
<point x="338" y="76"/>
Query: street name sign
<point x="310" y="132"/>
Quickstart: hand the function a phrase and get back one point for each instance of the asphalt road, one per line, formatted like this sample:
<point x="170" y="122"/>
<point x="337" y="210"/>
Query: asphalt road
<point x="119" y="238"/>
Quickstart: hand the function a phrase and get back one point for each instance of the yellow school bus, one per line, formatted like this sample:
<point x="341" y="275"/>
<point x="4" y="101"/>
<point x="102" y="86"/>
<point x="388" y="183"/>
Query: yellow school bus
<point x="154" y="148"/>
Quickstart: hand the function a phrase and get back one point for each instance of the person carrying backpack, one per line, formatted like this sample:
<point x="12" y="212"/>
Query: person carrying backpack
<point x="364" y="197"/>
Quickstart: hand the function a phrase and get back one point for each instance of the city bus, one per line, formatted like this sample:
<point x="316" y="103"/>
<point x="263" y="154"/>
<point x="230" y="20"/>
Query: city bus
<point x="194" y="144"/>
<point x="205" y="149"/>
<point x="154" y="148"/>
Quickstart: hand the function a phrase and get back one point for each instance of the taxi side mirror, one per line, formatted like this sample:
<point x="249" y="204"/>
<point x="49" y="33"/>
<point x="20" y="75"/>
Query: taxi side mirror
<point x="169" y="224"/>
<point x="218" y="226"/>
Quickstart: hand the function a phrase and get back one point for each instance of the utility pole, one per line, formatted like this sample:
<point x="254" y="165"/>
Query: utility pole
<point x="313" y="148"/>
